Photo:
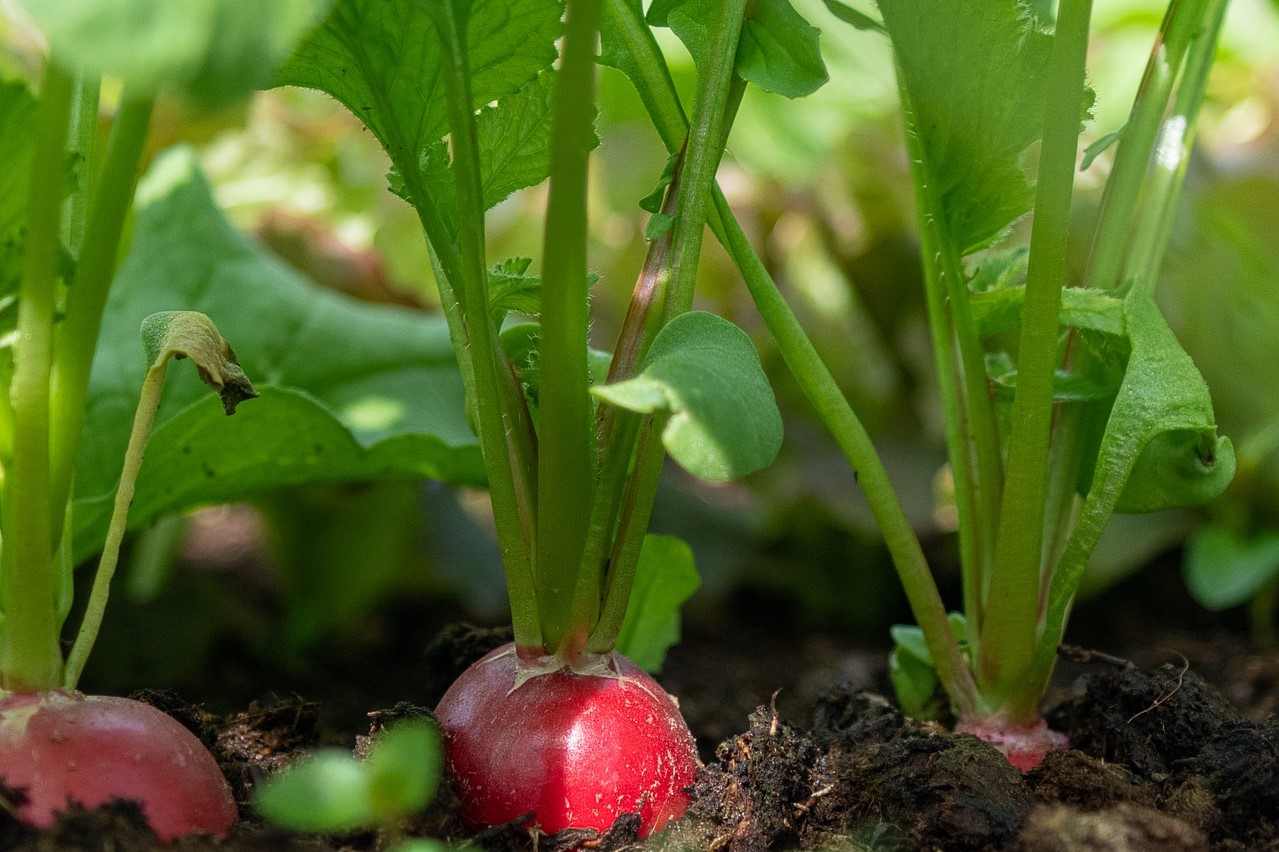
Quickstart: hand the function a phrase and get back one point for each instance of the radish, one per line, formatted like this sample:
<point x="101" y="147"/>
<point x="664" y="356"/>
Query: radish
<point x="64" y="747"/>
<point x="58" y="746"/>
<point x="576" y="748"/>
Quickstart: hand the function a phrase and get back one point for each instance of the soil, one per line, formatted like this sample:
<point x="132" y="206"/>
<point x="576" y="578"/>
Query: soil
<point x="813" y="757"/>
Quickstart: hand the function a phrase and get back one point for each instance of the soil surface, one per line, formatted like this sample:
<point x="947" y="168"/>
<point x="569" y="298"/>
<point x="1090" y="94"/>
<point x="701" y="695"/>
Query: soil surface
<point x="1174" y="750"/>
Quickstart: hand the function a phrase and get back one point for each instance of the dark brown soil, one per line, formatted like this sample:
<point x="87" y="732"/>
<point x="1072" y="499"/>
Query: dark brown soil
<point x="1161" y="759"/>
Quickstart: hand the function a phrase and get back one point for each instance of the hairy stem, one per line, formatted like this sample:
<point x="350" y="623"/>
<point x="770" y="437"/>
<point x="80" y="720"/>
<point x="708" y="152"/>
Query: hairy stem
<point x="501" y="455"/>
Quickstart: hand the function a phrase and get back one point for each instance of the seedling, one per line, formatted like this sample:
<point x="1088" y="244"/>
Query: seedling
<point x="332" y="792"/>
<point x="1099" y="411"/>
<point x="541" y="726"/>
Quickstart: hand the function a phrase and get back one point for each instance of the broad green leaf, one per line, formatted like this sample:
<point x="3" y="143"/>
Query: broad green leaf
<point x="1223" y="569"/>
<point x="975" y="74"/>
<point x="779" y="51"/>
<point x="404" y="768"/>
<point x="326" y="793"/>
<point x="664" y="579"/>
<point x="349" y="391"/>
<point x="216" y="50"/>
<point x="703" y="371"/>
<point x="382" y="59"/>
<point x="514" y="140"/>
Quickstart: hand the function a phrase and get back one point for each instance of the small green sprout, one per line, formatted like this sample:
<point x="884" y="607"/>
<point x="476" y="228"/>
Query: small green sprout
<point x="333" y="792"/>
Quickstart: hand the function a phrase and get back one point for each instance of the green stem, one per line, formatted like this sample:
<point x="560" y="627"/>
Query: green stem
<point x="501" y="454"/>
<point x="617" y="430"/>
<point x="143" y="420"/>
<point x="1114" y="232"/>
<point x="1173" y="143"/>
<point x="823" y="392"/>
<point x="84" y="134"/>
<point x="715" y="102"/>
<point x="705" y="146"/>
<point x="1011" y="626"/>
<point x="658" y="93"/>
<point x="566" y="463"/>
<point x="30" y="659"/>
<point x="77" y="336"/>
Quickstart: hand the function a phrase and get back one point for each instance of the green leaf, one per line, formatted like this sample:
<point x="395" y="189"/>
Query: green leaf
<point x="17" y="111"/>
<point x="1161" y="394"/>
<point x="217" y="50"/>
<point x="997" y="311"/>
<point x="910" y="668"/>
<point x="511" y="288"/>
<point x="779" y="51"/>
<point x="1161" y="433"/>
<point x="704" y="372"/>
<point x="1068" y="386"/>
<point x="690" y="20"/>
<point x="514" y="140"/>
<point x="349" y="391"/>
<point x="382" y="59"/>
<point x="327" y="793"/>
<point x="1095" y="150"/>
<point x="1223" y="569"/>
<point x="404" y="768"/>
<point x="332" y="792"/>
<point x="976" y="75"/>
<point x="859" y="20"/>
<point x="664" y="579"/>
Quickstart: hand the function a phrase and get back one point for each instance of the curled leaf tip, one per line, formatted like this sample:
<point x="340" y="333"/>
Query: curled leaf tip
<point x="191" y="334"/>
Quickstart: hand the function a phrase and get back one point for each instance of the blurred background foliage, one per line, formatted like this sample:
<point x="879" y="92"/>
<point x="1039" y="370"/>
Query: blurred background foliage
<point x="822" y="186"/>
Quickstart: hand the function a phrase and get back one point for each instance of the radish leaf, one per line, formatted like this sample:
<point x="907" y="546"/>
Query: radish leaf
<point x="1223" y="569"/>
<point x="216" y="50"/>
<point x="953" y="55"/>
<point x="703" y="371"/>
<point x="779" y="51"/>
<point x="349" y="391"/>
<point x="382" y="59"/>
<point x="664" y="579"/>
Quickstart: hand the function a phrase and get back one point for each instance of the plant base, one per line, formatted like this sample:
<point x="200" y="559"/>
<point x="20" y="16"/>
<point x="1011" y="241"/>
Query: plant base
<point x="1025" y="746"/>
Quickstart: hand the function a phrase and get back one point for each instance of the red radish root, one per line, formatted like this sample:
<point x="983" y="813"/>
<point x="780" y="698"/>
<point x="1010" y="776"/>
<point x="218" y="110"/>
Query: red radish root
<point x="62" y="747"/>
<point x="576" y="749"/>
<point x="1025" y="746"/>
